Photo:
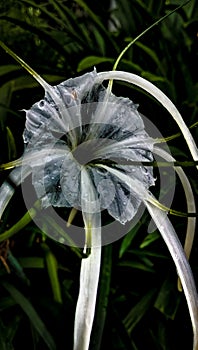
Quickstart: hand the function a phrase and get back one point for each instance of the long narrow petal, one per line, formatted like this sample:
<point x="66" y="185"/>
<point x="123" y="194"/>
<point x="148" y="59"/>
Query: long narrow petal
<point x="183" y="268"/>
<point x="160" y="96"/>
<point x="7" y="189"/>
<point x="90" y="267"/>
<point x="47" y="87"/>
<point x="36" y="76"/>
<point x="176" y="250"/>
<point x="191" y="207"/>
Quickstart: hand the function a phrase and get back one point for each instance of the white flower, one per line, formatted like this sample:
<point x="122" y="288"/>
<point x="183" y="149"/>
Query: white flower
<point x="87" y="133"/>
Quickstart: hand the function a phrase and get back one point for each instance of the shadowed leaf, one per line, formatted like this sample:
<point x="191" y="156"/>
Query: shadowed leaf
<point x="32" y="314"/>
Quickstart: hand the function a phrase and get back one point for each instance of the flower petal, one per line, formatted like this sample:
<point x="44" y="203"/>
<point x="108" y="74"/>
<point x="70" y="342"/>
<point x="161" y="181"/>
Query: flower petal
<point x="47" y="184"/>
<point x="160" y="96"/>
<point x="183" y="268"/>
<point x="126" y="203"/>
<point x="115" y="196"/>
<point x="114" y="117"/>
<point x="70" y="181"/>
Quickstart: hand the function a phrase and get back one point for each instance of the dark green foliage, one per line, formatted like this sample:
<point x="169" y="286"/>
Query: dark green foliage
<point x="139" y="306"/>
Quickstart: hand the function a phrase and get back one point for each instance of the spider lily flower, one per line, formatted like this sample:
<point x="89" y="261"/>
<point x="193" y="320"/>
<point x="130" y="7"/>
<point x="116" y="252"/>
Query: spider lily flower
<point x="81" y="142"/>
<point x="62" y="143"/>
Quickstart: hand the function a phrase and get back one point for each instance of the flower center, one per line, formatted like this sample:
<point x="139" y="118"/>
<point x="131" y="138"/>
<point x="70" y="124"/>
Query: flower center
<point x="84" y="153"/>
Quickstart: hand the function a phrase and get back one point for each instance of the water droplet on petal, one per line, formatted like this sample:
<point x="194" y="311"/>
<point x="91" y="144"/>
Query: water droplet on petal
<point x="123" y="222"/>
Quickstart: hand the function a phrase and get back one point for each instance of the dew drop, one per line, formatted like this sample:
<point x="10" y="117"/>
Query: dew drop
<point x="41" y="103"/>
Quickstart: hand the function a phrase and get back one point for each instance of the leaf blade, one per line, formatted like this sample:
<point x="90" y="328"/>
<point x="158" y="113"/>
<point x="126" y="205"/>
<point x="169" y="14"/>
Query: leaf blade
<point x="31" y="313"/>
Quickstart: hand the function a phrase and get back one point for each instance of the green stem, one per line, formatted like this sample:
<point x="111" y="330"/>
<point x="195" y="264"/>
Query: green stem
<point x="36" y="76"/>
<point x="138" y="37"/>
<point x="144" y="32"/>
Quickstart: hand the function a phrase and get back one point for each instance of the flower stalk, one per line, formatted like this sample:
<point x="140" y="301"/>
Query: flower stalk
<point x="90" y="266"/>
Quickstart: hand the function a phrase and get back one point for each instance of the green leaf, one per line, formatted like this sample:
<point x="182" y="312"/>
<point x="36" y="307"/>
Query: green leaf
<point x="14" y="263"/>
<point x="67" y="24"/>
<point x="12" y="329"/>
<point x="191" y="9"/>
<point x="168" y="299"/>
<point x="145" y="253"/>
<point x="52" y="269"/>
<point x="3" y="341"/>
<point x="43" y="34"/>
<point x="32" y="262"/>
<point x="27" y="82"/>
<point x="5" y="97"/>
<point x="130" y="65"/>
<point x="150" y="238"/>
<point x="12" y="151"/>
<point x="136" y="265"/>
<point x="160" y="336"/>
<point x="6" y="302"/>
<point x="153" y="77"/>
<point x="92" y="61"/>
<point x="8" y="68"/>
<point x="126" y="242"/>
<point x="97" y="22"/>
<point x="138" y="311"/>
<point x="31" y="313"/>
<point x="25" y="220"/>
<point x="62" y="235"/>
<point x="100" y="41"/>
<point x="150" y="53"/>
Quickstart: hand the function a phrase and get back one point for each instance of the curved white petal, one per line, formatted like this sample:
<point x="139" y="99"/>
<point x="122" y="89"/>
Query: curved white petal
<point x="7" y="190"/>
<point x="175" y="248"/>
<point x="191" y="207"/>
<point x="183" y="268"/>
<point x="160" y="96"/>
